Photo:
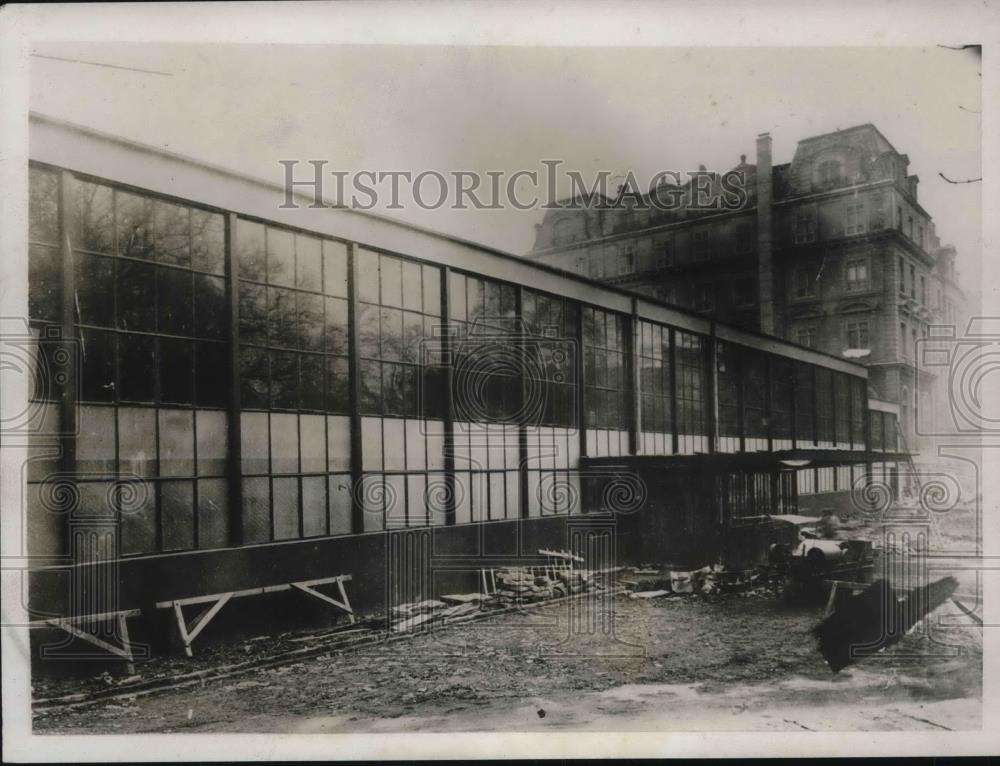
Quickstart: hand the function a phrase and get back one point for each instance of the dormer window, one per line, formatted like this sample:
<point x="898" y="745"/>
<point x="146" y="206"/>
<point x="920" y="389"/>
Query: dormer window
<point x="828" y="172"/>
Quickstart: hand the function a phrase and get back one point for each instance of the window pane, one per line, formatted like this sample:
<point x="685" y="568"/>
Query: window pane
<point x="256" y="510"/>
<point x="284" y="444"/>
<point x="176" y="443"/>
<point x="313" y="506"/>
<point x="338" y="437"/>
<point x="210" y="307"/>
<point x="95" y="445"/>
<point x="312" y="438"/>
<point x="254" y="442"/>
<point x="44" y="283"/>
<point x="97" y="380"/>
<point x="96" y="499"/>
<point x="456" y="296"/>
<point x="308" y="263"/>
<point x="413" y="334"/>
<point x="394" y="389"/>
<point x="395" y="501"/>
<point x="250" y="249"/>
<point x="213" y="442"/>
<point x="213" y="513"/>
<point x="474" y="298"/>
<point x="280" y="257"/>
<point x="137" y="440"/>
<point x="284" y="379"/>
<point x="208" y="242"/>
<point x="367" y="270"/>
<point x="137" y="528"/>
<point x="93" y="275"/>
<point x="335" y="268"/>
<point x="43" y="206"/>
<point x="412" y="293"/>
<point x="371" y="387"/>
<point x="310" y="321"/>
<point x="176" y="364"/>
<point x="416" y="439"/>
<point x="340" y="504"/>
<point x="134" y="216"/>
<point x="94" y="211"/>
<point x="368" y="317"/>
<point x="253" y="313"/>
<point x="175" y="300"/>
<point x="281" y="318"/>
<point x="371" y="444"/>
<point x="373" y="502"/>
<point x="254" y="389"/>
<point x="173" y="233"/>
<point x="432" y="290"/>
<point x="312" y="368"/>
<point x="136" y="296"/>
<point x="416" y="506"/>
<point x="137" y="367"/>
<point x="337" y="385"/>
<point x="211" y="374"/>
<point x="394" y="441"/>
<point x="286" y="508"/>
<point x="392" y="334"/>
<point x="177" y="514"/>
<point x="336" y="326"/>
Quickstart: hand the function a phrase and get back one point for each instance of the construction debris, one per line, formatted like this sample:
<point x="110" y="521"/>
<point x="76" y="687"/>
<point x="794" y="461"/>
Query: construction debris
<point x="462" y="598"/>
<point x="649" y="594"/>
<point x="876" y="618"/>
<point x="704" y="580"/>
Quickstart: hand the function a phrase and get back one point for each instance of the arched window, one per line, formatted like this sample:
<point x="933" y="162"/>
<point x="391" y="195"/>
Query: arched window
<point x="828" y="172"/>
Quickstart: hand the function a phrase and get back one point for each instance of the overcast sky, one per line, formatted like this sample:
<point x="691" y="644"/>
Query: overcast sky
<point x="506" y="108"/>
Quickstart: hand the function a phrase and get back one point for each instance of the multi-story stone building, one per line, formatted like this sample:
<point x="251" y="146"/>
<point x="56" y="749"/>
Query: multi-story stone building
<point x="832" y="251"/>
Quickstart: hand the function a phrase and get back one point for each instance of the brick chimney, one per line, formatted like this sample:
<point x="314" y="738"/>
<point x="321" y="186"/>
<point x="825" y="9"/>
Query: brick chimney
<point x="765" y="267"/>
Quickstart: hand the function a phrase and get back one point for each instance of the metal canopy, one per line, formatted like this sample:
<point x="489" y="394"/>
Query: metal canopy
<point x="813" y="457"/>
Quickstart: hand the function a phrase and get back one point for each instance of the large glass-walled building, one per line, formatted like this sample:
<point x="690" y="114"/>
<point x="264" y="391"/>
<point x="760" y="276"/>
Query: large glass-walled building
<point x="239" y="393"/>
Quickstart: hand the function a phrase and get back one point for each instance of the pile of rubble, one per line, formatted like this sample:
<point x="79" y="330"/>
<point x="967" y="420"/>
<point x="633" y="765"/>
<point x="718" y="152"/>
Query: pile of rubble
<point x="519" y="585"/>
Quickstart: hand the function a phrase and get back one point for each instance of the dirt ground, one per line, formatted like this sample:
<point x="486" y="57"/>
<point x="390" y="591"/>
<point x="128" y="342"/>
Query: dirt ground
<point x="732" y="662"/>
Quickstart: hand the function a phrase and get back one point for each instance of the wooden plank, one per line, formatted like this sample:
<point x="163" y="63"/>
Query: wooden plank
<point x="88" y="617"/>
<point x="90" y="638"/>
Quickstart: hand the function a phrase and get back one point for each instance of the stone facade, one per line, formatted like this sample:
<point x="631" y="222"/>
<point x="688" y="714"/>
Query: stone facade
<point x="832" y="251"/>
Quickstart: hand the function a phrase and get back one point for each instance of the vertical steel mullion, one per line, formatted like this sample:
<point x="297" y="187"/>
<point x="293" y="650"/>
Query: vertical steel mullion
<point x="522" y="432"/>
<point x="769" y="401"/>
<point x="710" y="363"/>
<point x="233" y="412"/>
<point x="672" y="361"/>
<point x="581" y="382"/>
<point x="815" y="405"/>
<point x="631" y="379"/>
<point x="794" y="390"/>
<point x="68" y="391"/>
<point x="354" y="384"/>
<point x="447" y="348"/>
<point x="741" y="399"/>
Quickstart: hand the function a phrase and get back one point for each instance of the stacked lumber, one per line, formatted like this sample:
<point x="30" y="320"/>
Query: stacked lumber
<point x="423" y="613"/>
